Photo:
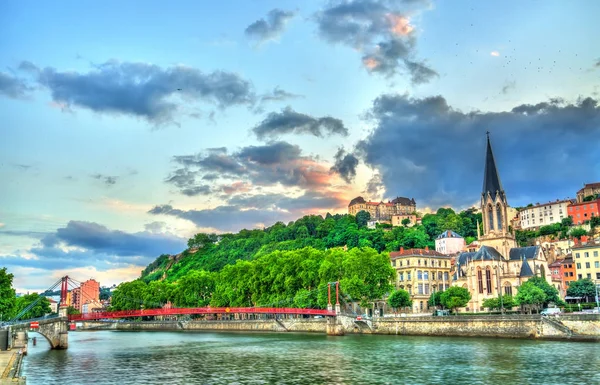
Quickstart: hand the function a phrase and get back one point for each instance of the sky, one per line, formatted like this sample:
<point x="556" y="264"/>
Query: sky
<point x="127" y="127"/>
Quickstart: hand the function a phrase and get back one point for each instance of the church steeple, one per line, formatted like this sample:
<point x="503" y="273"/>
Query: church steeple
<point x="491" y="179"/>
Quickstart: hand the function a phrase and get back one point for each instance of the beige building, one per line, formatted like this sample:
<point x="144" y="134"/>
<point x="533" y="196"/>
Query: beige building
<point x="398" y="218"/>
<point x="544" y="214"/>
<point x="587" y="190"/>
<point x="498" y="266"/>
<point x="421" y="272"/>
<point x="587" y="260"/>
<point x="382" y="211"/>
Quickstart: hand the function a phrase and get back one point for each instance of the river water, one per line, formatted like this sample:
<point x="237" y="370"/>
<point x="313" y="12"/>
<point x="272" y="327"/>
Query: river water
<point x="111" y="357"/>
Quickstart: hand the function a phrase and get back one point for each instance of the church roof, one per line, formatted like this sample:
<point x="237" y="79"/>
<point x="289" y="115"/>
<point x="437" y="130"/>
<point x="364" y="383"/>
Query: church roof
<point x="491" y="179"/>
<point x="526" y="269"/>
<point x="448" y="234"/>
<point x="487" y="253"/>
<point x="518" y="253"/>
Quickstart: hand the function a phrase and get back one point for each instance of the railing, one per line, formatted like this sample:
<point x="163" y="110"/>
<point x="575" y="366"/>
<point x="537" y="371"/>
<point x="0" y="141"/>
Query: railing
<point x="198" y="310"/>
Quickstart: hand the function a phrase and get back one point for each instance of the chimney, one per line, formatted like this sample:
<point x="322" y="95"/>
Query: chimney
<point x="402" y="249"/>
<point x="426" y="248"/>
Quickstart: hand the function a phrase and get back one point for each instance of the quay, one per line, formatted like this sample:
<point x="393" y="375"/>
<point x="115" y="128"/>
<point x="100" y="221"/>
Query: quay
<point x="11" y="360"/>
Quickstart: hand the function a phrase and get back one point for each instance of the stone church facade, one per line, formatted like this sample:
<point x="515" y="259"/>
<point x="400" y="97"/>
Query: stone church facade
<point x="499" y="266"/>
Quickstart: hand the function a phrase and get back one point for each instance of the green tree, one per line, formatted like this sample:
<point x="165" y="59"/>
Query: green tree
<point x="530" y="296"/>
<point x="405" y="222"/>
<point x="455" y="297"/>
<point x="578" y="232"/>
<point x="201" y="240"/>
<point x="129" y="296"/>
<point x="195" y="289"/>
<point x="566" y="222"/>
<point x="399" y="299"/>
<point x="72" y="311"/>
<point x="41" y="307"/>
<point x="435" y="299"/>
<point x="507" y="302"/>
<point x="362" y="217"/>
<point x="549" y="290"/>
<point x="7" y="294"/>
<point x="582" y="288"/>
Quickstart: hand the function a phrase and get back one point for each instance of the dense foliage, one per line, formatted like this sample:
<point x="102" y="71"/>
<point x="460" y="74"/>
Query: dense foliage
<point x="211" y="253"/>
<point x="455" y="297"/>
<point x="399" y="299"/>
<point x="41" y="307"/>
<point x="504" y="302"/>
<point x="7" y="294"/>
<point x="584" y="288"/>
<point x="295" y="278"/>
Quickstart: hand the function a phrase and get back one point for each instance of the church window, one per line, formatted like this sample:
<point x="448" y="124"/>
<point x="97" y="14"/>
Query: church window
<point x="499" y="216"/>
<point x="491" y="217"/>
<point x="488" y="280"/>
<point x="480" y="280"/>
<point x="508" y="290"/>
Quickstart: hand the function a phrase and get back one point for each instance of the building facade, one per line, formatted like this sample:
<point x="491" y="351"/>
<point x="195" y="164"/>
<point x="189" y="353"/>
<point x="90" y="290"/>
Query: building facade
<point x="556" y="275"/>
<point x="421" y="272"/>
<point x="589" y="189"/>
<point x="544" y="214"/>
<point x="88" y="291"/>
<point x="449" y="242"/>
<point x="569" y="273"/>
<point x="587" y="260"/>
<point x="398" y="218"/>
<point x="382" y="211"/>
<point x="498" y="267"/>
<point x="584" y="211"/>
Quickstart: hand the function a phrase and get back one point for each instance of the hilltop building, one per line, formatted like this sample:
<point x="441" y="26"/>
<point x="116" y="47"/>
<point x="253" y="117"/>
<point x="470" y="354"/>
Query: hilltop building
<point x="499" y="266"/>
<point x="582" y="212"/>
<point x="449" y="242"/>
<point x="421" y="272"/>
<point x="381" y="211"/>
<point x="544" y="214"/>
<point x="589" y="189"/>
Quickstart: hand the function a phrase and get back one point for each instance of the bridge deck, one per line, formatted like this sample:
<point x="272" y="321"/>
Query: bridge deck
<point x="198" y="310"/>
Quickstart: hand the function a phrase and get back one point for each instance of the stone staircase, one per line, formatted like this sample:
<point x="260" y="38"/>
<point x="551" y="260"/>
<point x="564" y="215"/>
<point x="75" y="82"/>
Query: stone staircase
<point x="556" y="324"/>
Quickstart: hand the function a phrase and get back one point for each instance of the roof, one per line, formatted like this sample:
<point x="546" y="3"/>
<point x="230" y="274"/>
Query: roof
<point x="417" y="252"/>
<point x="356" y="200"/>
<point x="526" y="270"/>
<point x="491" y="179"/>
<point x="548" y="203"/>
<point x="588" y="245"/>
<point x="584" y="203"/>
<point x="590" y="185"/>
<point x="556" y="263"/>
<point x="518" y="253"/>
<point x="404" y="201"/>
<point x="448" y="234"/>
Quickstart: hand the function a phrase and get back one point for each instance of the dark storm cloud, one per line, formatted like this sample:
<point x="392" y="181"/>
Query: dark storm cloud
<point x="106" y="179"/>
<point x="345" y="165"/>
<point x="142" y="90"/>
<point x="270" y="164"/>
<point x="381" y="30"/>
<point x="289" y="121"/>
<point x="427" y="149"/>
<point x="225" y="218"/>
<point x="13" y="87"/>
<point x="97" y="246"/>
<point x="271" y="28"/>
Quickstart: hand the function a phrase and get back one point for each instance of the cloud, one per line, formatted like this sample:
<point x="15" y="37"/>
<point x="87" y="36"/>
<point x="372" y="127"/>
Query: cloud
<point x="597" y="64"/>
<point x="82" y="244"/>
<point x="382" y="31"/>
<point x="143" y="90"/>
<point x="107" y="179"/>
<point x="495" y="53"/>
<point x="264" y="30"/>
<point x="13" y="87"/>
<point x="275" y="163"/>
<point x="375" y="186"/>
<point x="426" y="149"/>
<point x="185" y="180"/>
<point x="279" y="95"/>
<point x="252" y="211"/>
<point x="508" y="86"/>
<point x="289" y="121"/>
<point x="345" y="165"/>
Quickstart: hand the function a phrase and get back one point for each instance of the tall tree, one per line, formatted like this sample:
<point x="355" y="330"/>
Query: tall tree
<point x="7" y="294"/>
<point x="399" y="299"/>
<point x="582" y="288"/>
<point x="455" y="297"/>
<point x="530" y="296"/>
<point x="362" y="217"/>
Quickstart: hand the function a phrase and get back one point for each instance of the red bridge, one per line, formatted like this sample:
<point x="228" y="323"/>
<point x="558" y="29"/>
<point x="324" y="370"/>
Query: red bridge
<point x="198" y="310"/>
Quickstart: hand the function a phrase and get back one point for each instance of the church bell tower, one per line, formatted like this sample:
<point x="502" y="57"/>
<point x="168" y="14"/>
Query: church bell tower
<point x="494" y="208"/>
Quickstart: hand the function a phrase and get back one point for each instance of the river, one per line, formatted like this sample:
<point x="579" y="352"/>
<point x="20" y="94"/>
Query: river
<point x="110" y="357"/>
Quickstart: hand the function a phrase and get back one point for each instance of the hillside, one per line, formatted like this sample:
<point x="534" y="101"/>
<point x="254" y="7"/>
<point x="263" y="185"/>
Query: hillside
<point x="211" y="253"/>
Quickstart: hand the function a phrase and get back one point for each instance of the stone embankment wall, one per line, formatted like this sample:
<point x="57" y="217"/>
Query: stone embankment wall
<point x="575" y="327"/>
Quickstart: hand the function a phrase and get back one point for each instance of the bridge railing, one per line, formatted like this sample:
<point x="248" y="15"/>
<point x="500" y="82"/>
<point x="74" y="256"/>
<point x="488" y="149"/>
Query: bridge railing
<point x="198" y="310"/>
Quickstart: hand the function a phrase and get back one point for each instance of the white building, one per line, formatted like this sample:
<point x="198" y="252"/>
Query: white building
<point x="449" y="242"/>
<point x="544" y="214"/>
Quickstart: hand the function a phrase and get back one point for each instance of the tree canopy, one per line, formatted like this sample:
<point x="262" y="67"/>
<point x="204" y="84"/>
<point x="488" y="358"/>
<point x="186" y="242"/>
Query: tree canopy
<point x="455" y="297"/>
<point x="582" y="288"/>
<point x="7" y="294"/>
<point x="399" y="299"/>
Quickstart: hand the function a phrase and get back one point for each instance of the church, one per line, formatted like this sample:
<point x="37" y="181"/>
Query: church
<point x="499" y="266"/>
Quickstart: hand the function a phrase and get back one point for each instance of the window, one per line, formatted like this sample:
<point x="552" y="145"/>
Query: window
<point x="440" y="275"/>
<point x="408" y="262"/>
<point x="508" y="290"/>
<point x="579" y="265"/>
<point x="579" y="276"/>
<point x="488" y="280"/>
<point x="408" y="276"/>
<point x="595" y="253"/>
<point x="426" y="288"/>
<point x="570" y="274"/>
<point x="491" y="217"/>
<point x="426" y="276"/>
<point x="480" y="280"/>
<point x="576" y="255"/>
<point x="586" y="254"/>
<point x="401" y="277"/>
<point x="419" y="262"/>
<point x="446" y="276"/>
<point x="420" y="288"/>
<point x="566" y="274"/>
<point x="587" y="265"/>
<point x="419" y="275"/>
<point x="499" y="216"/>
<point x="597" y="275"/>
<point x="425" y="262"/>
<point x="597" y="265"/>
<point x="400" y="263"/>
<point x="394" y="263"/>
<point x="589" y="275"/>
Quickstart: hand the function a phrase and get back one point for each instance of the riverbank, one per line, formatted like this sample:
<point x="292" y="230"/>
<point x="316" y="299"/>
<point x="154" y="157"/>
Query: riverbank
<point x="10" y="366"/>
<point x="581" y="327"/>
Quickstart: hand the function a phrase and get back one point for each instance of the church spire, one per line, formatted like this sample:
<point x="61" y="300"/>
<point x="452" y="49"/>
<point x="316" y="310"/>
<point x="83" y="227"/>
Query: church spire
<point x="491" y="179"/>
